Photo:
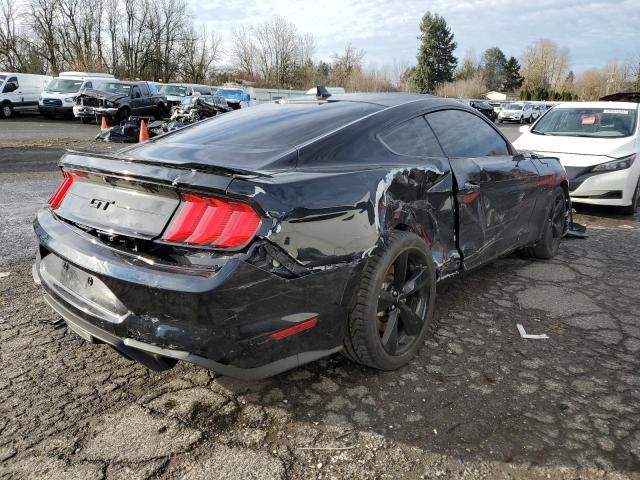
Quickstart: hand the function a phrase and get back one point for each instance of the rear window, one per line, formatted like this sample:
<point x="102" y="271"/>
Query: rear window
<point x="413" y="138"/>
<point x="608" y="122"/>
<point x="272" y="125"/>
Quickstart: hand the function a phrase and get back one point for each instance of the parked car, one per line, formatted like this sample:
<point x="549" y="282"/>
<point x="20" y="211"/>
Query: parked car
<point x="538" y="111"/>
<point x="516" y="112"/>
<point x="484" y="107"/>
<point x="598" y="144"/>
<point x="497" y="107"/>
<point x="59" y="96"/>
<point x="236" y="97"/>
<point x="117" y="101"/>
<point x="19" y="92"/>
<point x="176" y="92"/>
<point x="272" y="236"/>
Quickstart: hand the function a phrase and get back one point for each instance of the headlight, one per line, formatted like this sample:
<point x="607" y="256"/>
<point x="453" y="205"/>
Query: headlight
<point x="69" y="99"/>
<point x="109" y="104"/>
<point x="618" y="164"/>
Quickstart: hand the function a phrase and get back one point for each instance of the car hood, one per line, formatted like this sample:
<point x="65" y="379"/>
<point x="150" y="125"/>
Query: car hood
<point x="112" y="97"/>
<point x="174" y="98"/>
<point x="504" y="110"/>
<point x="574" y="145"/>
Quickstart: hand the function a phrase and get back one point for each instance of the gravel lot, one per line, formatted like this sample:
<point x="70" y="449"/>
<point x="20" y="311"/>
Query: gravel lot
<point x="478" y="402"/>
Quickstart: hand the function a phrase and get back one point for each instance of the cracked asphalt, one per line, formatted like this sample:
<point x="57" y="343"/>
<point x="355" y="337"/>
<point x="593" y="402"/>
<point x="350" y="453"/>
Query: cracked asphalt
<point x="478" y="402"/>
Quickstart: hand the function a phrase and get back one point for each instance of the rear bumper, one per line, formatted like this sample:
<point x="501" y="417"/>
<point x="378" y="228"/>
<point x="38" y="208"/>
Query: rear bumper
<point x="221" y="320"/>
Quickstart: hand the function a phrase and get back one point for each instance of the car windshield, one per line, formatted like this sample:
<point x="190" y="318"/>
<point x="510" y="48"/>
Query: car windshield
<point x="513" y="106"/>
<point x="59" y="85"/>
<point x="175" y="90"/>
<point x="112" y="87"/>
<point x="230" y="94"/>
<point x="588" y="122"/>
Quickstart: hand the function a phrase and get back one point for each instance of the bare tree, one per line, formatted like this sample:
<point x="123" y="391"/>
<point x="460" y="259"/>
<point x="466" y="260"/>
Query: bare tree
<point x="11" y="42"/>
<point x="43" y="16"/>
<point x="199" y="54"/>
<point x="545" y="65"/>
<point x="345" y="64"/>
<point x="243" y="52"/>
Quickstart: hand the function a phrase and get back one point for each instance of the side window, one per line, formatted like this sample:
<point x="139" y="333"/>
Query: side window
<point x="462" y="134"/>
<point x="14" y="80"/>
<point x="135" y="92"/>
<point x="144" y="87"/>
<point x="413" y="138"/>
<point x="88" y="85"/>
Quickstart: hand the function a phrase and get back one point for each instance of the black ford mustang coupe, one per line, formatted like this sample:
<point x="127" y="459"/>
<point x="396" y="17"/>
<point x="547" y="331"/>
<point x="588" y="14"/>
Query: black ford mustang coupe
<point x="272" y="236"/>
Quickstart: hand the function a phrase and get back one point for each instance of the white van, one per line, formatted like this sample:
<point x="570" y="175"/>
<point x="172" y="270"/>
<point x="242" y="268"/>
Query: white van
<point x="59" y="96"/>
<point x="19" y="92"/>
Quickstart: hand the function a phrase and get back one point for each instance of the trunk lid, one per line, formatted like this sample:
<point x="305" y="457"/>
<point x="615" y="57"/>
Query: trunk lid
<point x="134" y="198"/>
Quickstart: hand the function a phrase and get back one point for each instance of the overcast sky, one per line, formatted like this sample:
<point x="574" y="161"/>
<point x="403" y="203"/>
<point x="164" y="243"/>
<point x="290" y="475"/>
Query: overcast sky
<point x="595" y="31"/>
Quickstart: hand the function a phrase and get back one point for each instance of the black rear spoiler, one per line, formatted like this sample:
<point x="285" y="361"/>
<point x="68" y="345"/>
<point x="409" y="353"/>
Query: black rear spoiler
<point x="199" y="177"/>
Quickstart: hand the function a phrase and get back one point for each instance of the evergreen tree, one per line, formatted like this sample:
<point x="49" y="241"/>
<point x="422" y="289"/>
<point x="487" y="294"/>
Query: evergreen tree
<point x="513" y="79"/>
<point x="436" y="62"/>
<point x="494" y="65"/>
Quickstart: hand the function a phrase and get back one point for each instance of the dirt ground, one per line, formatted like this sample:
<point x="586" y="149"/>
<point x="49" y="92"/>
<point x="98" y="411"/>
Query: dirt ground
<point x="478" y="402"/>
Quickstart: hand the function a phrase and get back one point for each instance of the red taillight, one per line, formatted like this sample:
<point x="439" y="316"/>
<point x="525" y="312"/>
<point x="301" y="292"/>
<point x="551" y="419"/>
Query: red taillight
<point x="61" y="191"/>
<point x="213" y="222"/>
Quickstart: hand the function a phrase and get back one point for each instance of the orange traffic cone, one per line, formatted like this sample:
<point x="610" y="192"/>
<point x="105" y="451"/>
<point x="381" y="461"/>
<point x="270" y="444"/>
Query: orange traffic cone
<point x="104" y="123"/>
<point x="144" y="135"/>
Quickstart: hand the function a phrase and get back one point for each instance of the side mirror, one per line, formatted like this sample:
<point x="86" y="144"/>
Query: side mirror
<point x="524" y="128"/>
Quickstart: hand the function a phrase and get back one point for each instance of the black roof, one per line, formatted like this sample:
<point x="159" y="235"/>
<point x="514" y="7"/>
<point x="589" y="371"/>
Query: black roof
<point x="384" y="99"/>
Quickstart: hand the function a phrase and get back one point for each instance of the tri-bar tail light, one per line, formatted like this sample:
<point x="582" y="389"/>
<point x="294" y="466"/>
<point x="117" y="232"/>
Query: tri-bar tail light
<point x="212" y="222"/>
<point x="56" y="199"/>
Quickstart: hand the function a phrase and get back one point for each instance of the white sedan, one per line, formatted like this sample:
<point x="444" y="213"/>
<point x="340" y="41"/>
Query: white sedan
<point x="598" y="143"/>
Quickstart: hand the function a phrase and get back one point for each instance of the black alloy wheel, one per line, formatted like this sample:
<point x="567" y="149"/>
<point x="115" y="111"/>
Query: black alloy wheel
<point x="394" y="304"/>
<point x="553" y="230"/>
<point x="403" y="301"/>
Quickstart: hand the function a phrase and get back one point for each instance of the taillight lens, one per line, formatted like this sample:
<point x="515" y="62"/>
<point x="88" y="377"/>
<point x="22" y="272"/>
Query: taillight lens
<point x="214" y="222"/>
<point x="61" y="191"/>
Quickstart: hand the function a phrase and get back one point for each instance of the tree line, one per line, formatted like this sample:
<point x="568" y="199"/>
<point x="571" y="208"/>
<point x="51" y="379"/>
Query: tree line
<point x="159" y="40"/>
<point x="542" y="73"/>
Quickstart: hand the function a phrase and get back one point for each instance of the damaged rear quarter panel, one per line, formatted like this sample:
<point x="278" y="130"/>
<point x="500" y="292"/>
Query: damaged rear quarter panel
<point x="347" y="191"/>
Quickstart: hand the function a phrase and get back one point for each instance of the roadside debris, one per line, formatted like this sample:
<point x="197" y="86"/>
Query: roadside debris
<point x="526" y="335"/>
<point x="131" y="131"/>
<point x="127" y="131"/>
<point x="4" y="274"/>
<point x="574" y="229"/>
<point x="351" y="447"/>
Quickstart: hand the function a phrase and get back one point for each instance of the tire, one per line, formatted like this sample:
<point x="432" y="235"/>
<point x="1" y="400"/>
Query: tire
<point x="7" y="110"/>
<point x="549" y="243"/>
<point x="160" y="112"/>
<point x="123" y="114"/>
<point x="393" y="304"/>
<point x="85" y="120"/>
<point x="523" y="120"/>
<point x="635" y="201"/>
<point x="499" y="121"/>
